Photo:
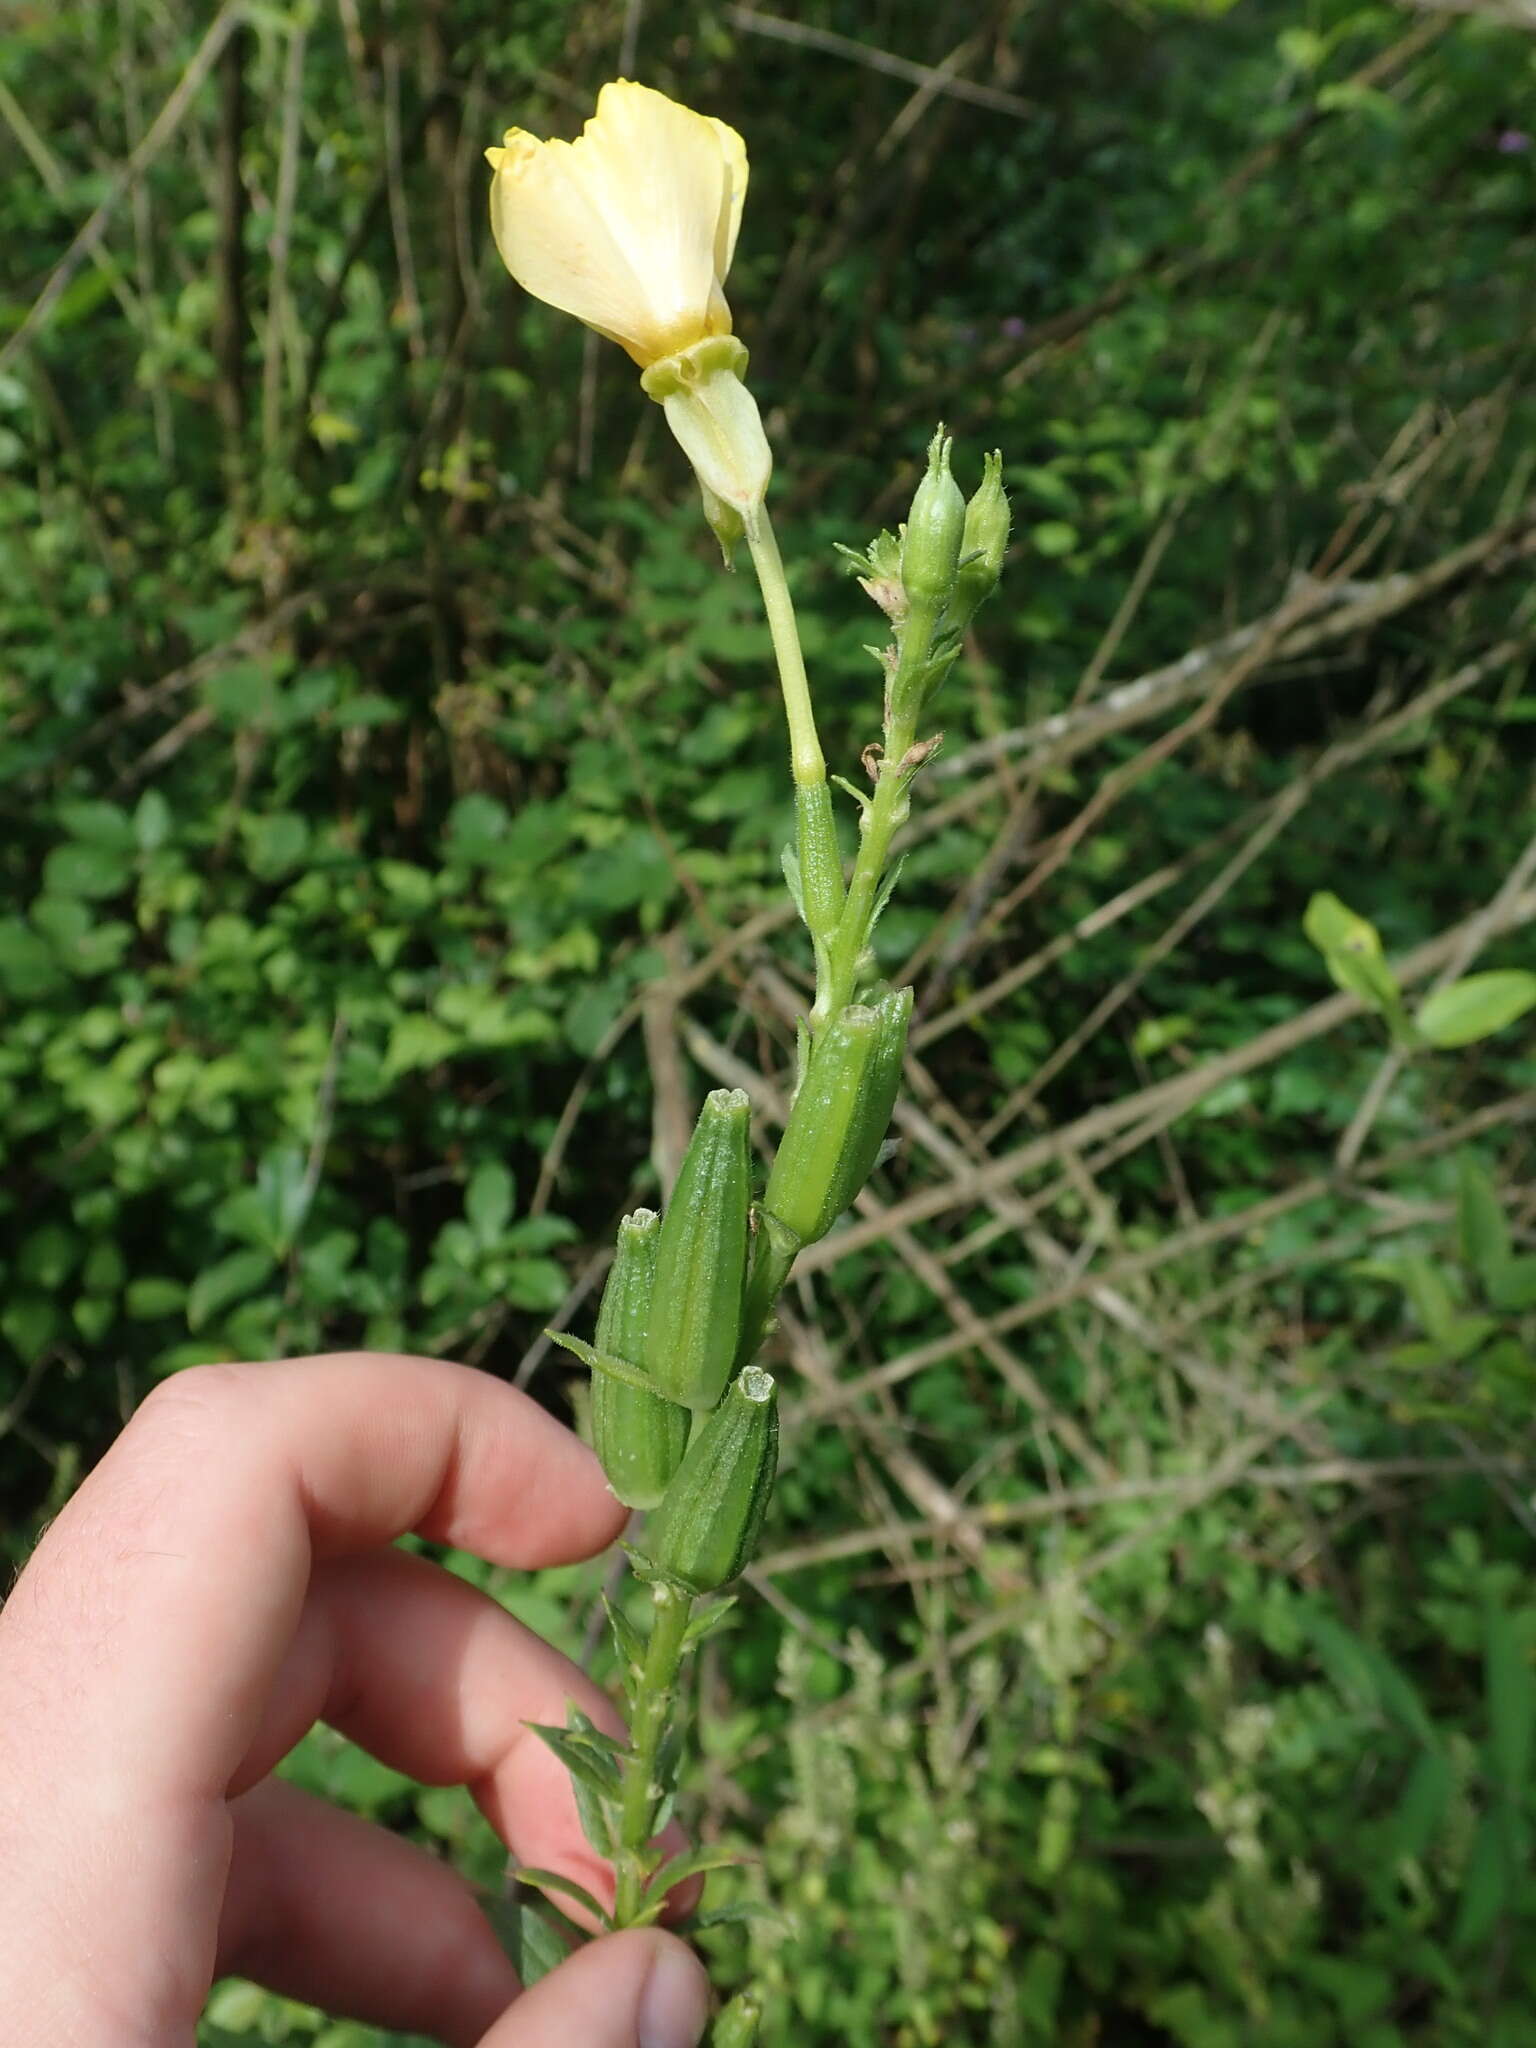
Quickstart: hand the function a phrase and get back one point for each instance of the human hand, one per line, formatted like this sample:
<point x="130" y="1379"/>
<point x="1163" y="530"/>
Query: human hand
<point x="224" y="1579"/>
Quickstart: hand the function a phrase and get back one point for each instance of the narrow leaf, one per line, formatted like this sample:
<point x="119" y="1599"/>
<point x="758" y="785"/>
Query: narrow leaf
<point x="612" y="1368"/>
<point x="550" y="1881"/>
<point x="736" y="1914"/>
<point x="628" y="1643"/>
<point x="594" y="1771"/>
<point x="692" y="1863"/>
<point x="1420" y="1811"/>
<point x="1485" y="1887"/>
<point x="531" y="1945"/>
<point x="1510" y="1678"/>
<point x="597" y="1817"/>
<point x="1481" y="1225"/>
<point x="705" y="1624"/>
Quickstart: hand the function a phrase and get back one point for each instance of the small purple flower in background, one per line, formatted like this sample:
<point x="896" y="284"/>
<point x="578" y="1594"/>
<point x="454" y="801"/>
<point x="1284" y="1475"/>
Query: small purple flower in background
<point x="1014" y="328"/>
<point x="1512" y="142"/>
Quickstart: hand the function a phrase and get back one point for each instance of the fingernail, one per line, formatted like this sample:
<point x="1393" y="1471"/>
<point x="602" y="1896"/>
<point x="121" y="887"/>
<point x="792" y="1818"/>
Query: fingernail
<point x="674" y="2006"/>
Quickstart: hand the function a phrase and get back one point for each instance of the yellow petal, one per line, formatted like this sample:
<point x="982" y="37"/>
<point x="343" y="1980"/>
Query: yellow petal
<point x="557" y="244"/>
<point x="631" y="227"/>
<point x="734" y="151"/>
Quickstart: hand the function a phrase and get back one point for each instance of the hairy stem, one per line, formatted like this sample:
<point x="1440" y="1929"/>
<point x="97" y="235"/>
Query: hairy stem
<point x="655" y="1700"/>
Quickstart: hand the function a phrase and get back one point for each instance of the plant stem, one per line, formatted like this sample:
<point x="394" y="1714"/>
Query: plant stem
<point x="655" y="1698"/>
<point x="806" y="762"/>
<point x="886" y="814"/>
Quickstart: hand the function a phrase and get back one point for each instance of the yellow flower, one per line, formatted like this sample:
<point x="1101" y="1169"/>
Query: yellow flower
<point x="632" y="226"/>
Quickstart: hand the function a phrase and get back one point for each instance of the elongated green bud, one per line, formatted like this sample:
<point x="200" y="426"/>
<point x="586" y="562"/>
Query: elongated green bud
<point x="803" y="1184"/>
<point x="701" y="1258"/>
<point x="706" y="1530"/>
<point x="737" y="2026"/>
<point x="985" y="540"/>
<point x="821" y="859"/>
<point x="639" y="1438"/>
<point x="930" y="550"/>
<point x="877" y="1098"/>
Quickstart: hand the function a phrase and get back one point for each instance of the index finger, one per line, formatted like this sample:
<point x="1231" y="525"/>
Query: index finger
<point x="160" y="1603"/>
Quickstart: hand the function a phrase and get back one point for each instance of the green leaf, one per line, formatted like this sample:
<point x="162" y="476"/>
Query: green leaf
<point x="678" y="1869"/>
<point x="737" y="1914"/>
<point x="1422" y="1806"/>
<point x="29" y="1323"/>
<point x="705" y="1623"/>
<point x="231" y="1280"/>
<point x="47" y="1256"/>
<point x="1368" y="1678"/>
<point x="85" y="869"/>
<point x="628" y="1643"/>
<point x="595" y="1771"/>
<point x="1510" y="1679"/>
<point x="1426" y="1287"/>
<point x="1515" y="1287"/>
<point x="488" y="1201"/>
<point x="1484" y="1886"/>
<point x="550" y="1881"/>
<point x="28" y="968"/>
<point x="417" y="1042"/>
<point x="528" y="1940"/>
<point x="151" y="1296"/>
<point x="612" y="1368"/>
<point x="1481" y="1227"/>
<point x="1475" y="1007"/>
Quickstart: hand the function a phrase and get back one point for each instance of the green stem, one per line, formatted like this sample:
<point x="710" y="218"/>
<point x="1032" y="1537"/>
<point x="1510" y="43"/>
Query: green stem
<point x="655" y="1699"/>
<point x="806" y="762"/>
<point x="886" y="814"/>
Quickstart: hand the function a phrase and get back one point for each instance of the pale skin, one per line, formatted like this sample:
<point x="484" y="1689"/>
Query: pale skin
<point x="222" y="1580"/>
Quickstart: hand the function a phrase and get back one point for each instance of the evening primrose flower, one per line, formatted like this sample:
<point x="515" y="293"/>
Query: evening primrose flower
<point x="631" y="228"/>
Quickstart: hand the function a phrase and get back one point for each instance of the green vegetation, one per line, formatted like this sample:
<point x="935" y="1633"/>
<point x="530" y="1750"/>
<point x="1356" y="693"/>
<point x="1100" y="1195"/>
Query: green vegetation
<point x="393" y="798"/>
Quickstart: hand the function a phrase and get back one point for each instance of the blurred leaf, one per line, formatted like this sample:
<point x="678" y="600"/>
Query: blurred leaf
<point x="1475" y="1007"/>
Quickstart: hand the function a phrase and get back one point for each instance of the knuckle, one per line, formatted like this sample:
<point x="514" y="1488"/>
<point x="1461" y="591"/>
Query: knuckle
<point x="192" y="1400"/>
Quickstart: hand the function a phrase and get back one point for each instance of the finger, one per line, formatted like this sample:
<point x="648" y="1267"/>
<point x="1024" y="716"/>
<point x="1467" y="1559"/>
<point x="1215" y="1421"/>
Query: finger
<point x="323" y="1907"/>
<point x="138" y="1648"/>
<point x="435" y="1679"/>
<point x="626" y="1991"/>
<point x="188" y="1551"/>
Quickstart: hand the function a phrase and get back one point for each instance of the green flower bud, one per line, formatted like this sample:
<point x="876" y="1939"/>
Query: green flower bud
<point x="706" y="1530"/>
<point x="985" y="540"/>
<point x="737" y="2026"/>
<point x="930" y="550"/>
<point x="701" y="1258"/>
<point x="804" y="1182"/>
<point x="639" y="1438"/>
<point x="880" y="1084"/>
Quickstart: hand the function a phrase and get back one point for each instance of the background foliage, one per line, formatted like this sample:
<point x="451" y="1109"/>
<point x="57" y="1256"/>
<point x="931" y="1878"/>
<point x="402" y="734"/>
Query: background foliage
<point x="392" y="801"/>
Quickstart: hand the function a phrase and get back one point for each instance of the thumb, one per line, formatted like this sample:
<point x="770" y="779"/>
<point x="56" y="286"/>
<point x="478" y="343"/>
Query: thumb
<point x="635" y="1990"/>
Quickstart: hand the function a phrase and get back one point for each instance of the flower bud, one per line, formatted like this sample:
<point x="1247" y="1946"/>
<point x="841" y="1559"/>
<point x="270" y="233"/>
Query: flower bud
<point x="701" y="1258"/>
<point x="985" y="540"/>
<point x="930" y="549"/>
<point x="639" y="1438"/>
<point x="706" y="1530"/>
<point x="879" y="1086"/>
<point x="807" y="1173"/>
<point x="737" y="2026"/>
